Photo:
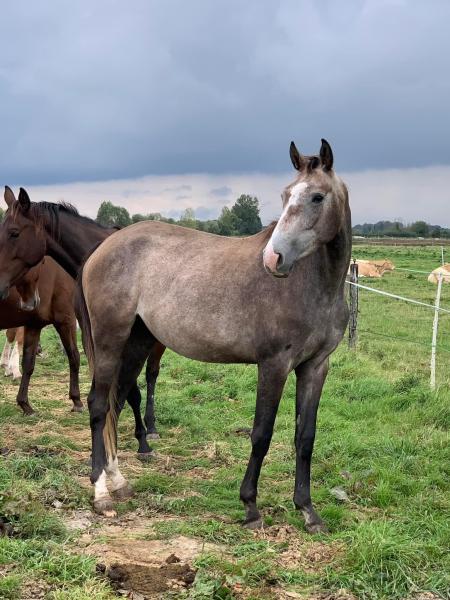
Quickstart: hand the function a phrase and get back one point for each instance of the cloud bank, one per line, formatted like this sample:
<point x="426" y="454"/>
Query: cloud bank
<point x="405" y="194"/>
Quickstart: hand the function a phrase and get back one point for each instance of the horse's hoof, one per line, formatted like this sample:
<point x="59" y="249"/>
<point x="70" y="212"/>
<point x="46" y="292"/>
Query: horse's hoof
<point x="105" y="507"/>
<point x="146" y="456"/>
<point x="77" y="408"/>
<point x="316" y="528"/>
<point x="28" y="410"/>
<point x="253" y="524"/>
<point x="123" y="493"/>
<point x="154" y="435"/>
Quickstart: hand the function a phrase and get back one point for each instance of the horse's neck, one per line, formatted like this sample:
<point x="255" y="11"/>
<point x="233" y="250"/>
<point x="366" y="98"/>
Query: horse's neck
<point x="74" y="241"/>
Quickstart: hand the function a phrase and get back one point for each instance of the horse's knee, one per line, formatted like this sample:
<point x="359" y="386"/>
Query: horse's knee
<point x="260" y="443"/>
<point x="305" y="446"/>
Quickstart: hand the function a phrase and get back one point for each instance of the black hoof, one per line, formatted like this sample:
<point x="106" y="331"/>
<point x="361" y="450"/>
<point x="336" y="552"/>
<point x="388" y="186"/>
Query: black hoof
<point x="316" y="528"/>
<point x="27" y="410"/>
<point x="123" y="493"/>
<point x="146" y="456"/>
<point x="154" y="435"/>
<point x="253" y="524"/>
<point x="77" y="408"/>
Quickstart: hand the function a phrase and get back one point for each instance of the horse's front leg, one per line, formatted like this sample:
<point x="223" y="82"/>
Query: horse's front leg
<point x="271" y="380"/>
<point x="310" y="379"/>
<point x="30" y="344"/>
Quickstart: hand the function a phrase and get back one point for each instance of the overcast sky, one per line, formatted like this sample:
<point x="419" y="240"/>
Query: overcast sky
<point x="149" y="96"/>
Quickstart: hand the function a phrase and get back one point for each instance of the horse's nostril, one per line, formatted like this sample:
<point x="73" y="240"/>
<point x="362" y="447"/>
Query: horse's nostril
<point x="280" y="260"/>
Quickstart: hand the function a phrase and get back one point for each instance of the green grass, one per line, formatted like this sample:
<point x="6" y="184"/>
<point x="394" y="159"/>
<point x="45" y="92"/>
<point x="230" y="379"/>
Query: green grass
<point x="382" y="436"/>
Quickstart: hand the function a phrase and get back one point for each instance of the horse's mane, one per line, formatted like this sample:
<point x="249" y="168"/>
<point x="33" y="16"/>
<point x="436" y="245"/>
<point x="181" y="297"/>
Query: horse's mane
<point x="47" y="214"/>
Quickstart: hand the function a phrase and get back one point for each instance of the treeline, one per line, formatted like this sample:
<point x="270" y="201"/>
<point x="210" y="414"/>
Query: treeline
<point x="397" y="229"/>
<point x="241" y="219"/>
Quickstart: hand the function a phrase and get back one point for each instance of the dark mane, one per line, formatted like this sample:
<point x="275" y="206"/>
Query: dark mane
<point x="47" y="214"/>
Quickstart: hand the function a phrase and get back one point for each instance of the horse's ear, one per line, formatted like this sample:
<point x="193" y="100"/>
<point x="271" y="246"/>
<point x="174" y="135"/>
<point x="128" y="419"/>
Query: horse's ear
<point x="9" y="196"/>
<point x="297" y="159"/>
<point x="24" y="200"/>
<point x="326" y="155"/>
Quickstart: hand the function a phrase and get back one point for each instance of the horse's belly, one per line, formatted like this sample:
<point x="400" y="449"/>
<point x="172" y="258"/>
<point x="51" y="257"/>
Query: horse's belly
<point x="201" y="341"/>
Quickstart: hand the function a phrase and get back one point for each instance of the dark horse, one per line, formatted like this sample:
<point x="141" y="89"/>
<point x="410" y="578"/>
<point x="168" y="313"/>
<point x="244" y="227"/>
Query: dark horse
<point x="32" y="230"/>
<point x="43" y="296"/>
<point x="275" y="299"/>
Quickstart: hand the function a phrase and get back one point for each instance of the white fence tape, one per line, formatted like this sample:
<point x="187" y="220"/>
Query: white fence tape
<point x="383" y="293"/>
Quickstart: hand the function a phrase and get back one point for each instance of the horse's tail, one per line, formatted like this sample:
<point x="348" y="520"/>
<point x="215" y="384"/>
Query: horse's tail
<point x="109" y="431"/>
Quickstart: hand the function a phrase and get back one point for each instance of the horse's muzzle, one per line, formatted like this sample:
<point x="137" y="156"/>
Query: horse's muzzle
<point x="273" y="262"/>
<point x="32" y="304"/>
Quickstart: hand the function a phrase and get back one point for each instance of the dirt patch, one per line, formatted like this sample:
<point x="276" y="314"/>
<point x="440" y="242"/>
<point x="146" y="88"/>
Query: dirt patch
<point x="149" y="581"/>
<point x="298" y="553"/>
<point x="149" y="552"/>
<point x="34" y="590"/>
<point x="338" y="595"/>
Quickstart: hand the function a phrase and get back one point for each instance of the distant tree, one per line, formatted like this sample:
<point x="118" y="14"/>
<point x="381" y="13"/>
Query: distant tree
<point x="2" y="212"/>
<point x="211" y="226"/>
<point x="187" y="219"/>
<point x="110" y="215"/>
<point x="227" y="222"/>
<point x="246" y="212"/>
<point x="420" y="228"/>
<point x="150" y="217"/>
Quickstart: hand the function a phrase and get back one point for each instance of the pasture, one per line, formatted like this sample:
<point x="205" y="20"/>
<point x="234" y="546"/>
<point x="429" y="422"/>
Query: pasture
<point x="380" y="475"/>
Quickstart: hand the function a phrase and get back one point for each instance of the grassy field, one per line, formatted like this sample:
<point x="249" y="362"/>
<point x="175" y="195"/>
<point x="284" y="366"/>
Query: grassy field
<point x="380" y="475"/>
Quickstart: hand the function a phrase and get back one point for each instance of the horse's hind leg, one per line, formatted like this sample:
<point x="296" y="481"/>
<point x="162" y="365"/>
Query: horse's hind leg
<point x="310" y="379"/>
<point x="137" y="349"/>
<point x="271" y="380"/>
<point x="30" y="344"/>
<point x="151" y="375"/>
<point x="68" y="333"/>
<point x="140" y="433"/>
<point x="118" y="360"/>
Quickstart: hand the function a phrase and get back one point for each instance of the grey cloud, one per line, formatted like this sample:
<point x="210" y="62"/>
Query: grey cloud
<point x="107" y="89"/>
<point x="221" y="192"/>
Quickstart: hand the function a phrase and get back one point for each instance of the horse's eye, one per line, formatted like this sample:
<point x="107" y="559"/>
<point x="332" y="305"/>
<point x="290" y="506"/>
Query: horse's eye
<point x="13" y="233"/>
<point x="317" y="198"/>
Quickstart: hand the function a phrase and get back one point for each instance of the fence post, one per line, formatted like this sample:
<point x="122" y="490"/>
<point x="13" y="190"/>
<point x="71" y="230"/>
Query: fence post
<point x="442" y="255"/>
<point x="353" y="296"/>
<point x="435" y="330"/>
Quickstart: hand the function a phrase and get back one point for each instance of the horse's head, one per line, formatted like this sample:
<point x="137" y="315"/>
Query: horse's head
<point x="28" y="290"/>
<point x="313" y="211"/>
<point x="22" y="241"/>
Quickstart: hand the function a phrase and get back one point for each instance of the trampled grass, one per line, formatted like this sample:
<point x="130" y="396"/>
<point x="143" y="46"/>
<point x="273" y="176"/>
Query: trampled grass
<point x="383" y="439"/>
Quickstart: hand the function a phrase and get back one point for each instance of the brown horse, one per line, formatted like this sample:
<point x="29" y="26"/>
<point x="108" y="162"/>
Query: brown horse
<point x="31" y="230"/>
<point x="275" y="299"/>
<point x="43" y="296"/>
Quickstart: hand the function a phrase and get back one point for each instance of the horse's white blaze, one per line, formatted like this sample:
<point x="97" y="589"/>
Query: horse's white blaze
<point x="14" y="362"/>
<point x="296" y="193"/>
<point x="4" y="360"/>
<point x="101" y="491"/>
<point x="117" y="479"/>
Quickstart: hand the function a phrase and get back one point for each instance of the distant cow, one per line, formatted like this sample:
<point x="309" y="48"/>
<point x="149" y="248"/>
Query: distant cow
<point x="373" y="268"/>
<point x="433" y="277"/>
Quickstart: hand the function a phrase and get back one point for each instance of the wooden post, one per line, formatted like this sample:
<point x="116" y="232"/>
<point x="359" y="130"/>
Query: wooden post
<point x="435" y="330"/>
<point x="353" y="296"/>
<point x="442" y="255"/>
